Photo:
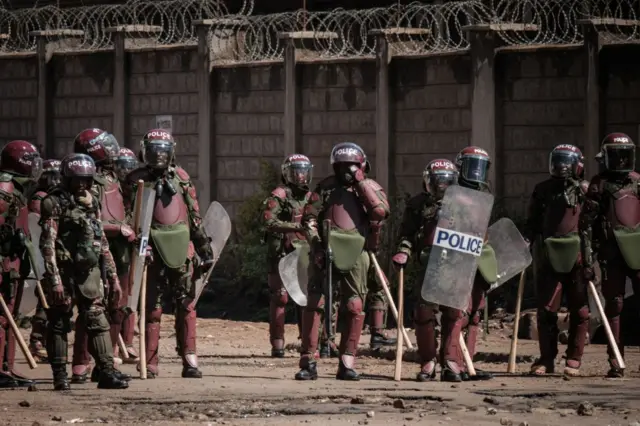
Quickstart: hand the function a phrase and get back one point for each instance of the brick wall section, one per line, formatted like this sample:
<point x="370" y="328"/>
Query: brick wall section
<point x="431" y="113"/>
<point x="248" y="107"/>
<point x="338" y="105"/>
<point x="82" y="87"/>
<point x="18" y="99"/>
<point x="163" y="82"/>
<point x="542" y="106"/>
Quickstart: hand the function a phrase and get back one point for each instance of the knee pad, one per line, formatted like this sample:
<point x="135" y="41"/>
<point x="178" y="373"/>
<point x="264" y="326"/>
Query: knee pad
<point x="155" y="315"/>
<point x="613" y="307"/>
<point x="355" y="305"/>
<point x="96" y="320"/>
<point x="424" y="314"/>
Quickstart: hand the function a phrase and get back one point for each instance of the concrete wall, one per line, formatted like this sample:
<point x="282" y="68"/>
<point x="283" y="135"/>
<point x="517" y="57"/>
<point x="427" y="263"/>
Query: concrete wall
<point x="540" y="102"/>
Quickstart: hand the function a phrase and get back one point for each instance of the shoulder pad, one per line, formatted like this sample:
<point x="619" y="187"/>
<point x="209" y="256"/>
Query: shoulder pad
<point x="634" y="176"/>
<point x="182" y="174"/>
<point x="280" y="192"/>
<point x="7" y="186"/>
<point x="6" y="177"/>
<point x="39" y="195"/>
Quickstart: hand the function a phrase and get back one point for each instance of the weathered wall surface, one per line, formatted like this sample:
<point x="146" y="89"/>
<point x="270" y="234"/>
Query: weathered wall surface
<point x="431" y="111"/>
<point x="82" y="97"/>
<point x="18" y="96"/>
<point x="621" y="68"/>
<point x="248" y="104"/>
<point x="163" y="82"/>
<point x="338" y="105"/>
<point x="542" y="106"/>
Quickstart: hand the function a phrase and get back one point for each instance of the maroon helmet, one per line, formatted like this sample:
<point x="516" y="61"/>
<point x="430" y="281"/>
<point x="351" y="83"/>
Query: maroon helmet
<point x="348" y="152"/>
<point x="566" y="161"/>
<point x="101" y="146"/>
<point x="617" y="153"/>
<point x="158" y="148"/>
<point x="126" y="163"/>
<point x="473" y="164"/>
<point x="21" y="158"/>
<point x="50" y="173"/>
<point x="297" y="170"/>
<point x="439" y="175"/>
<point x="78" y="165"/>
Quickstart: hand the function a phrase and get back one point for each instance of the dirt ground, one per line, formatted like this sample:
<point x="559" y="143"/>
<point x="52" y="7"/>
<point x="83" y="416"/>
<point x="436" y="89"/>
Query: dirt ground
<point x="243" y="386"/>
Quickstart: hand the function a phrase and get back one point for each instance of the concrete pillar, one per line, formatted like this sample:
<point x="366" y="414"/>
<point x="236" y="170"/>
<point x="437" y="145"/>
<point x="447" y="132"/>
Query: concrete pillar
<point x="125" y="37"/>
<point x="483" y="42"/>
<point x="47" y="43"/>
<point x="296" y="50"/>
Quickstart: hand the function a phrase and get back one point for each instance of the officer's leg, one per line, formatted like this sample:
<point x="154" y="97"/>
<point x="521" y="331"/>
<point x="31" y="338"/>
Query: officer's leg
<point x="312" y="315"/>
<point x="549" y="298"/>
<point x="472" y="323"/>
<point x="614" y="278"/>
<point x="184" y="293"/>
<point x="277" y="309"/>
<point x="117" y="313"/>
<point x="353" y="289"/>
<point x="37" y="345"/>
<point x="450" y="331"/>
<point x="424" y="318"/>
<point x="81" y="360"/>
<point x="156" y="286"/>
<point x="8" y="288"/>
<point x="94" y="316"/>
<point x="578" y="301"/>
<point x="328" y="348"/>
<point x="58" y="329"/>
<point x="377" y="307"/>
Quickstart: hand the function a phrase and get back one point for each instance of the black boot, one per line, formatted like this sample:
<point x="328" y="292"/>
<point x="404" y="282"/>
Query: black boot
<point x="109" y="380"/>
<point x="7" y="381"/>
<point x="328" y="350"/>
<point x="309" y="372"/>
<point x="96" y="373"/>
<point x="427" y="372"/>
<point x="277" y="353"/>
<point x="480" y="375"/>
<point x="378" y="340"/>
<point x="191" y="373"/>
<point x="450" y="372"/>
<point x="22" y="381"/>
<point x="60" y="378"/>
<point x="77" y="379"/>
<point x="346" y="373"/>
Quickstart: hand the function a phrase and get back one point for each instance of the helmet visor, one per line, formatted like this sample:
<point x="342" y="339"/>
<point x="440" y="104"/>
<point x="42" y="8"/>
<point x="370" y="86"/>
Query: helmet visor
<point x="620" y="158"/>
<point x="562" y="164"/>
<point x="158" y="154"/>
<point x="475" y="169"/>
<point x="124" y="166"/>
<point x="439" y="181"/>
<point x="300" y="174"/>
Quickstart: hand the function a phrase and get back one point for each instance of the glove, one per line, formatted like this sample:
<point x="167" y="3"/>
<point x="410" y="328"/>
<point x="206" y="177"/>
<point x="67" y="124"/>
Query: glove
<point x="128" y="233"/>
<point x="400" y="260"/>
<point x="148" y="256"/>
<point x="588" y="273"/>
<point x="357" y="173"/>
<point x="56" y="293"/>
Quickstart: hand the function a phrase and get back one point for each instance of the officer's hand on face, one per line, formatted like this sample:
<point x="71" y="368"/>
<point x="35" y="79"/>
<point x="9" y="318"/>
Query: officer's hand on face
<point x="400" y="260"/>
<point x="357" y="173"/>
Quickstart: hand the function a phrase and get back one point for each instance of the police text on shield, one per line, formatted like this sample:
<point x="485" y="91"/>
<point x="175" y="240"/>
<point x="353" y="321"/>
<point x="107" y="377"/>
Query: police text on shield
<point x="458" y="241"/>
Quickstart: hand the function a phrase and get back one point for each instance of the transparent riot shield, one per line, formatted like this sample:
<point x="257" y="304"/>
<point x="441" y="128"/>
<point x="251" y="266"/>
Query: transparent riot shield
<point x="217" y="226"/>
<point x="293" y="273"/>
<point x="37" y="263"/>
<point x="29" y="300"/>
<point x="458" y="240"/>
<point x="139" y="253"/>
<point x="512" y="251"/>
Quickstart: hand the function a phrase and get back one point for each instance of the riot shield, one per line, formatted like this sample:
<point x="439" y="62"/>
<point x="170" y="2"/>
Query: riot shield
<point x="512" y="251"/>
<point x="29" y="299"/>
<point x="139" y="253"/>
<point x="293" y="270"/>
<point x="217" y="226"/>
<point x="458" y="240"/>
<point x="37" y="264"/>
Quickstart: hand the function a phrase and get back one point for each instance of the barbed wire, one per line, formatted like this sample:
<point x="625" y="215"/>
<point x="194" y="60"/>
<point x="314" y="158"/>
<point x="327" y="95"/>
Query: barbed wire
<point x="413" y="29"/>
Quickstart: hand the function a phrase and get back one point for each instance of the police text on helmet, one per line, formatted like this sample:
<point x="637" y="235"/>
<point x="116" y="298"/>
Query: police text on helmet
<point x="159" y="135"/>
<point x="458" y="241"/>
<point x="81" y="163"/>
<point x="347" y="151"/>
<point x="443" y="164"/>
